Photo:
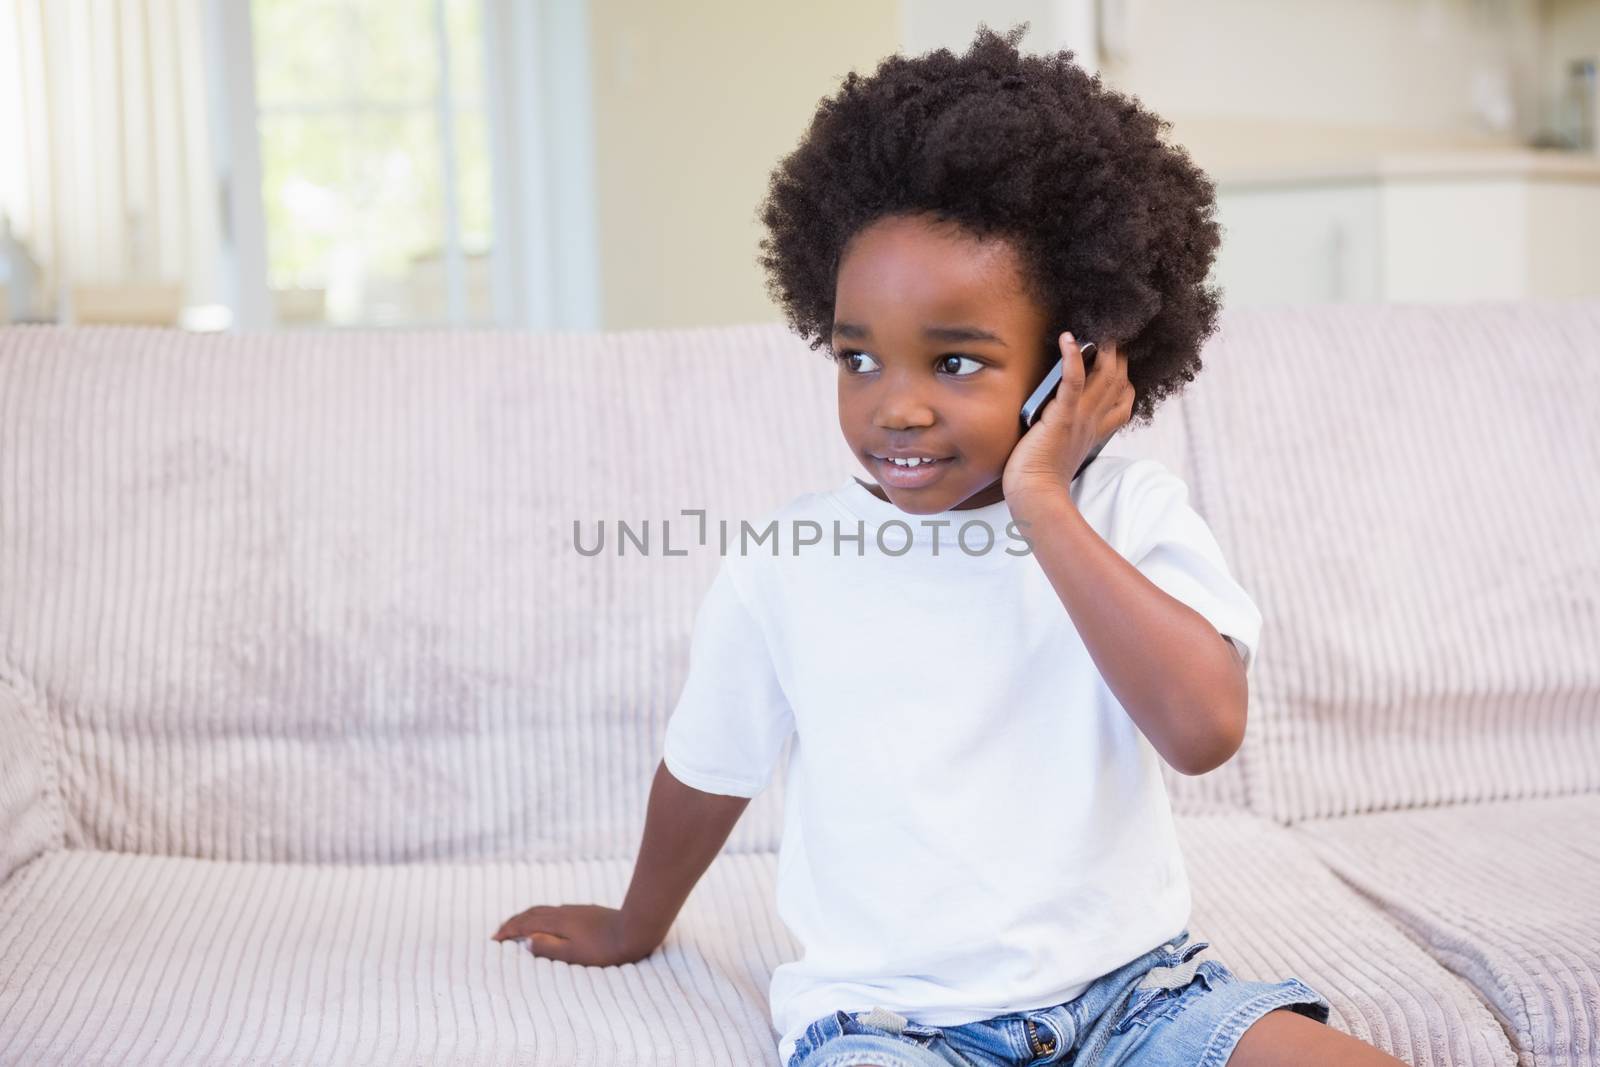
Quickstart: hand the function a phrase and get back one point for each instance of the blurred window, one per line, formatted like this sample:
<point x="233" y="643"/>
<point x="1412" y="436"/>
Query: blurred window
<point x="375" y="160"/>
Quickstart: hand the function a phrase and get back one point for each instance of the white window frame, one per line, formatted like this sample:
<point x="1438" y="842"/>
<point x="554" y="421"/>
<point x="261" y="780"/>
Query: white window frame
<point x="540" y="117"/>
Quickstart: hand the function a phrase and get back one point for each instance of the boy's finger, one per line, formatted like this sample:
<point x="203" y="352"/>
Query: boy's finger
<point x="520" y="922"/>
<point x="548" y="946"/>
<point x="1071" y="356"/>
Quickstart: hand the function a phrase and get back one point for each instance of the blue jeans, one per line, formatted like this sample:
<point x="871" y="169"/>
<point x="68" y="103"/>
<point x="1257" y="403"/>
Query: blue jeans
<point x="1164" y="1009"/>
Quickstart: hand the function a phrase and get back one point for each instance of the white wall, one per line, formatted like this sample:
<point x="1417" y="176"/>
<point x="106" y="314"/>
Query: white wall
<point x="1251" y="83"/>
<point x="1052" y="25"/>
<point x="695" y="103"/>
<point x="1245" y="84"/>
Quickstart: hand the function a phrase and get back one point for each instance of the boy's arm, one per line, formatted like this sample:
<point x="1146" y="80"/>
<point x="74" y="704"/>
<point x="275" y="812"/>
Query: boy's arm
<point x="684" y="829"/>
<point x="1190" y="700"/>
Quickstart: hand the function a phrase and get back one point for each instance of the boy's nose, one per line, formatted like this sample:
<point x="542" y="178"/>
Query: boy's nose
<point x="903" y="409"/>
<point x="904" y="418"/>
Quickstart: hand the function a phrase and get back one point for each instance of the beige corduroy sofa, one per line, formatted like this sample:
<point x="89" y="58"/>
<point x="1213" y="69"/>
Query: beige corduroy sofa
<point x="304" y="687"/>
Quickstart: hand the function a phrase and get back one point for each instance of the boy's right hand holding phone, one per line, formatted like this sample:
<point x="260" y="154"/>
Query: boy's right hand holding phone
<point x="1065" y="425"/>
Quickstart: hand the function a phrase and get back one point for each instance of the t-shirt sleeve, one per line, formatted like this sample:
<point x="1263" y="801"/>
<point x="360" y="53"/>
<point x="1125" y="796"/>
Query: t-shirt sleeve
<point x="732" y="718"/>
<point x="1172" y="546"/>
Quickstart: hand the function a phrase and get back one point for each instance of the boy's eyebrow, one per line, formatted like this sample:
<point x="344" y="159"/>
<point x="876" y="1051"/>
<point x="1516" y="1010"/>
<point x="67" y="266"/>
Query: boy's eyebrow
<point x="856" y="331"/>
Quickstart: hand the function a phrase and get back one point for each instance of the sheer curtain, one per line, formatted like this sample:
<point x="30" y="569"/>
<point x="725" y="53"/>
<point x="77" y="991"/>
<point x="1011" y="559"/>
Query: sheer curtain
<point x="106" y="167"/>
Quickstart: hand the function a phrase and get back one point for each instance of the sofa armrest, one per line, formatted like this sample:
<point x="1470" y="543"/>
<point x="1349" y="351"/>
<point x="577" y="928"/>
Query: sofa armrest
<point x="31" y="817"/>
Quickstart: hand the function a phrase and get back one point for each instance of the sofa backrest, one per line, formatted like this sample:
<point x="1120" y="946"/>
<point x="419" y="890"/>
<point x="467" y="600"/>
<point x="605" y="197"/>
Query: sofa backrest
<point x="1412" y="493"/>
<point x="315" y="597"/>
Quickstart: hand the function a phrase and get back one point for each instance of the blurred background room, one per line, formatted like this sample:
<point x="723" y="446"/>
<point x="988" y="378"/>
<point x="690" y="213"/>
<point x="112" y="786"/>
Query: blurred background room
<point x="596" y="164"/>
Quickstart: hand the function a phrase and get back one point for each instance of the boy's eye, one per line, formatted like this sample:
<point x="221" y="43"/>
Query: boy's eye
<point x="849" y="354"/>
<point x="846" y="357"/>
<point x="977" y="366"/>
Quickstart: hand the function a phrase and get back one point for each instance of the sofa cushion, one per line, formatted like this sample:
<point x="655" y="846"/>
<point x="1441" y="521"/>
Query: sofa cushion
<point x="1271" y="910"/>
<point x="188" y="960"/>
<point x="106" y="957"/>
<point x="1507" y="895"/>
<point x="1408" y="492"/>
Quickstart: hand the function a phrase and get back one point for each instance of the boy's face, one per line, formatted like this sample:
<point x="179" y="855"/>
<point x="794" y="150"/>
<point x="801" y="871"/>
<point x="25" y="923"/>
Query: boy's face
<point x="913" y="300"/>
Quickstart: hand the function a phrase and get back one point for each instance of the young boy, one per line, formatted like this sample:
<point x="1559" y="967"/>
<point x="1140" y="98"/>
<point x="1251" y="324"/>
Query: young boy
<point x="983" y="656"/>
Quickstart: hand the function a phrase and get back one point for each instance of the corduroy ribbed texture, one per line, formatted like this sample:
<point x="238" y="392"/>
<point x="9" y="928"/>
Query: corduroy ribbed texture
<point x="30" y="795"/>
<point x="1507" y="895"/>
<point x="276" y="606"/>
<point x="317" y="597"/>
<point x="163" y="960"/>
<point x="1411" y="494"/>
<point x="269" y="578"/>
<point x="1270" y="910"/>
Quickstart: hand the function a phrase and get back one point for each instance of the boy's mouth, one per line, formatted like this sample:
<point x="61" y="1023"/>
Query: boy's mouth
<point x="903" y="476"/>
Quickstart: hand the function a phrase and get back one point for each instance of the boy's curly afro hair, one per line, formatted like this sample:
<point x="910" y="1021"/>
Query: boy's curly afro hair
<point x="1114" y="227"/>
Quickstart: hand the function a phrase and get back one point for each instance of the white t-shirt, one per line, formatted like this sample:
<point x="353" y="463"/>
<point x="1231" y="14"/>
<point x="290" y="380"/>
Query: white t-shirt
<point x="973" y="824"/>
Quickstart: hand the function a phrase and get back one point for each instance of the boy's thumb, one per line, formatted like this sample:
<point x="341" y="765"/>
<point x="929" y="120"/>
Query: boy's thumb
<point x="552" y="946"/>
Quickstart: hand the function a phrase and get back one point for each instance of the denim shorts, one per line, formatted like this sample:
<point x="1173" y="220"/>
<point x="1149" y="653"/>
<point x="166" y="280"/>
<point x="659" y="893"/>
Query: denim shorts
<point x="1164" y="1009"/>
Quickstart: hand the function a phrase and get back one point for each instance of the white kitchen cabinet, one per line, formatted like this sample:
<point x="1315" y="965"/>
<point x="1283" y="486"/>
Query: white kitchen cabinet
<point x="1500" y="224"/>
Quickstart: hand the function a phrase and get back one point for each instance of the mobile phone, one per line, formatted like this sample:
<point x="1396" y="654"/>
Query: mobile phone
<point x="1034" y="405"/>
